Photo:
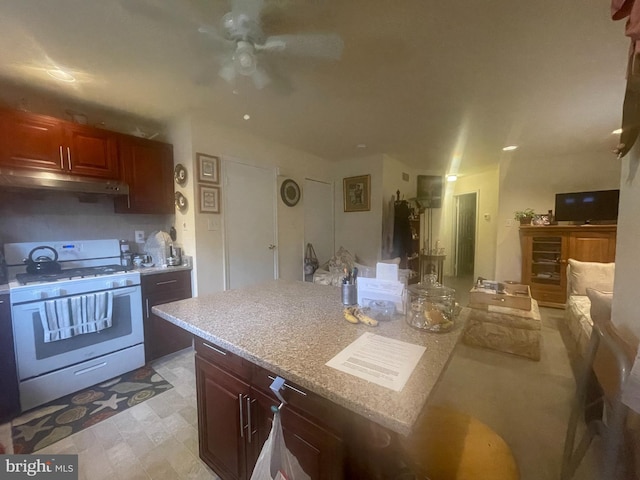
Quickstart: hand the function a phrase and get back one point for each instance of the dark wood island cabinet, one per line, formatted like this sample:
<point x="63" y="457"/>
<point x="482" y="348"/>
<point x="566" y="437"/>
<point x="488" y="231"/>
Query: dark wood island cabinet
<point x="234" y="418"/>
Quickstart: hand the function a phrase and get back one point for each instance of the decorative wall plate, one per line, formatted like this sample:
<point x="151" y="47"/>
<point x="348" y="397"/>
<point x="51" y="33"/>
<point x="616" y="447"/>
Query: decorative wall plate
<point x="290" y="192"/>
<point x="181" y="202"/>
<point x="180" y="174"/>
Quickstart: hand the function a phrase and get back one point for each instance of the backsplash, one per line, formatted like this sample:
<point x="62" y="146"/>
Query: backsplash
<point x="29" y="217"/>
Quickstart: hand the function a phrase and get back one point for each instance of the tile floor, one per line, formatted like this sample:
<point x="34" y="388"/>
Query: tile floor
<point x="156" y="439"/>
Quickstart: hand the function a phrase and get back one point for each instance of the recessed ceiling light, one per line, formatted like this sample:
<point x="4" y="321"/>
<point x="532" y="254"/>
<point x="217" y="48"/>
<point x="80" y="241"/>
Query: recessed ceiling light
<point x="61" y="75"/>
<point x="509" y="148"/>
<point x="452" y="178"/>
<point x="246" y="116"/>
<point x="361" y="145"/>
<point x="617" y="131"/>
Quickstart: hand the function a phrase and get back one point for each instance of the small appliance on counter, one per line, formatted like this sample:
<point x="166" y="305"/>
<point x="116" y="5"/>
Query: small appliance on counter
<point x="175" y="256"/>
<point x="157" y="245"/>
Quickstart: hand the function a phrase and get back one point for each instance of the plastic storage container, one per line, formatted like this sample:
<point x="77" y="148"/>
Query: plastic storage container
<point x="431" y="306"/>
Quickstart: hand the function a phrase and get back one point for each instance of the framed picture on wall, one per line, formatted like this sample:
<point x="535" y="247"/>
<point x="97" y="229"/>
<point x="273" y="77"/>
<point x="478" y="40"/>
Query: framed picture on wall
<point x="208" y="168"/>
<point x="209" y="199"/>
<point x="356" y="192"/>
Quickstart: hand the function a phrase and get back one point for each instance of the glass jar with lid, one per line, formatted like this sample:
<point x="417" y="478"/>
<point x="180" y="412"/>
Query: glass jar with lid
<point x="431" y="306"/>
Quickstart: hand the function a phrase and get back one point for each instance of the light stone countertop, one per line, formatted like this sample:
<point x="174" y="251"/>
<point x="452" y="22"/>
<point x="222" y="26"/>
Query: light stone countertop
<point x="155" y="270"/>
<point x="294" y="328"/>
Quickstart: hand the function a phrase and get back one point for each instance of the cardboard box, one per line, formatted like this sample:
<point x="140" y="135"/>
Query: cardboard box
<point x="512" y="295"/>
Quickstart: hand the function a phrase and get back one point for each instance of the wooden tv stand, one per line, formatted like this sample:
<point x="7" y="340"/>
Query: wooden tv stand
<point x="546" y="250"/>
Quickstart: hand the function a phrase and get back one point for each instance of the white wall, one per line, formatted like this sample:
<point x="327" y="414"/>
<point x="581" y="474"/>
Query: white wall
<point x="533" y="183"/>
<point x="360" y="232"/>
<point x="626" y="308"/>
<point x="200" y="134"/>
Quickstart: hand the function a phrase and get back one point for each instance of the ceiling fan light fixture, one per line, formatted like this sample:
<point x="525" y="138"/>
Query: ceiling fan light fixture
<point x="244" y="59"/>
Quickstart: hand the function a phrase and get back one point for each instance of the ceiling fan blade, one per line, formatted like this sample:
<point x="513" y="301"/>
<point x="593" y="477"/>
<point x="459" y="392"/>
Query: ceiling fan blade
<point x="228" y="71"/>
<point x="317" y="45"/>
<point x="212" y="33"/>
<point x="260" y="78"/>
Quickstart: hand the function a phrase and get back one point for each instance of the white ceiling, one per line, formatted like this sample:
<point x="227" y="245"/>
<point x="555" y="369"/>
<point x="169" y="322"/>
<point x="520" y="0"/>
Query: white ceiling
<point x="440" y="85"/>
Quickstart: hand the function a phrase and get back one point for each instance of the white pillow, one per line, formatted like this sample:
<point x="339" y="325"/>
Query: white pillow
<point x="596" y="275"/>
<point x="600" y="306"/>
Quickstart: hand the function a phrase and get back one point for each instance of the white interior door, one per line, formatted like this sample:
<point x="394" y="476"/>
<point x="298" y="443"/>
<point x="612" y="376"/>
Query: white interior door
<point x="318" y="218"/>
<point x="250" y="224"/>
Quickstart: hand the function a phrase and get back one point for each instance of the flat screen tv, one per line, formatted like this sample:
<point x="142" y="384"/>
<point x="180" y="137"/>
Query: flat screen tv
<point x="587" y="207"/>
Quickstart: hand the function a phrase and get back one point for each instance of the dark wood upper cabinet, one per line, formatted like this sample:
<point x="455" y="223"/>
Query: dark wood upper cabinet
<point x="147" y="167"/>
<point x="38" y="142"/>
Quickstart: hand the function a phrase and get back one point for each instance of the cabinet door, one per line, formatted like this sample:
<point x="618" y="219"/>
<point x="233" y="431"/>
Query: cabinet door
<point x="320" y="453"/>
<point x="9" y="397"/>
<point x="148" y="169"/>
<point x="544" y="263"/>
<point x="31" y="141"/>
<point x="161" y="337"/>
<point x="593" y="246"/>
<point x="222" y="419"/>
<point x="91" y="151"/>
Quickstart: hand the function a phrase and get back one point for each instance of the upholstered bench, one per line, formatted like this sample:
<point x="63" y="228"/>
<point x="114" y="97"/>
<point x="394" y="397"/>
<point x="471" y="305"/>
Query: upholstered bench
<point x="509" y="330"/>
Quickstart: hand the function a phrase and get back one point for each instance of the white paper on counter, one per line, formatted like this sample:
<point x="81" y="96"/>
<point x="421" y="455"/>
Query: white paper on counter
<point x="380" y="360"/>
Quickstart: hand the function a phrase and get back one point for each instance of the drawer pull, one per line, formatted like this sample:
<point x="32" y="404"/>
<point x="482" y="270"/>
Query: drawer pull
<point x="166" y="282"/>
<point x="289" y="387"/>
<point x="221" y="352"/>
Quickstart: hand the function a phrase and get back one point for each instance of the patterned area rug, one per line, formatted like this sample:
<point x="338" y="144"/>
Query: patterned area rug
<point x="65" y="416"/>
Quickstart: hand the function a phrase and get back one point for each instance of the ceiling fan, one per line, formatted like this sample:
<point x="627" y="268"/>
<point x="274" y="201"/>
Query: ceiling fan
<point x="241" y="46"/>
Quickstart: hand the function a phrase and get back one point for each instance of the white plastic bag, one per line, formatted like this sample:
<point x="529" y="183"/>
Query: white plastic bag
<point x="276" y="462"/>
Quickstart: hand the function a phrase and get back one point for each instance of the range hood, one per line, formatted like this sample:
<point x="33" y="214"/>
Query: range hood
<point x="24" y="179"/>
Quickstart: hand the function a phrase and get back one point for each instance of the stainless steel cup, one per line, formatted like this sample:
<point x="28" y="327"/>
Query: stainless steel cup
<point x="349" y="294"/>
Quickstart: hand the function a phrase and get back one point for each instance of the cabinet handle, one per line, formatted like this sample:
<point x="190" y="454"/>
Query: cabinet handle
<point x="248" y="419"/>
<point x="61" y="159"/>
<point x="289" y="386"/>
<point x="69" y="157"/>
<point x="167" y="282"/>
<point x="221" y="352"/>
<point x="241" y="416"/>
<point x="147" y="302"/>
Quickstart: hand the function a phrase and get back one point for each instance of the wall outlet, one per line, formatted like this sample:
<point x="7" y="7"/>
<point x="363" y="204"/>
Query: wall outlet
<point x="510" y="222"/>
<point x="139" y="236"/>
<point x="213" y="224"/>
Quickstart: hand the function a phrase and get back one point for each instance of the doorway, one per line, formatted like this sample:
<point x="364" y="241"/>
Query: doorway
<point x="250" y="224"/>
<point x="318" y="218"/>
<point x="465" y="234"/>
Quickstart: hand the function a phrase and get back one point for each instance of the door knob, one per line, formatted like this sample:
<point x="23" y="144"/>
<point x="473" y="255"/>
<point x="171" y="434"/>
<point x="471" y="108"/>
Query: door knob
<point x="272" y="246"/>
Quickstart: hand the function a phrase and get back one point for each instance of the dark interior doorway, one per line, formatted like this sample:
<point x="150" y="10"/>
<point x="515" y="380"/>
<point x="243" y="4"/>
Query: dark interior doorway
<point x="465" y="234"/>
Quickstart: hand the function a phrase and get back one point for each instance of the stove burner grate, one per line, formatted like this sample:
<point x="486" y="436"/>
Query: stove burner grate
<point x="70" y="273"/>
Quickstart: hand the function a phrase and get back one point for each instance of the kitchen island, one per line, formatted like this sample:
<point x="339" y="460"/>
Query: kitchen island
<point x="291" y="329"/>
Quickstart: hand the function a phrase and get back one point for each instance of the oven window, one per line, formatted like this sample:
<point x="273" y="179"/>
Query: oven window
<point x="121" y="327"/>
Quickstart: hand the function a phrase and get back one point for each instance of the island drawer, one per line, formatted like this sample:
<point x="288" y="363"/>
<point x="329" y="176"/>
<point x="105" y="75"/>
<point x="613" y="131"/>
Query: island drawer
<point x="223" y="358"/>
<point x="326" y="412"/>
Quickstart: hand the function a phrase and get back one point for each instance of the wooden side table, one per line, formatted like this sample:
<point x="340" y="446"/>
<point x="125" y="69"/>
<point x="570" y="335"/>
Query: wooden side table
<point x="432" y="264"/>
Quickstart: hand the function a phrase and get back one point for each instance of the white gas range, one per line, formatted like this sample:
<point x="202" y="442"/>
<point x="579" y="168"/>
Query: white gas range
<point x="77" y="316"/>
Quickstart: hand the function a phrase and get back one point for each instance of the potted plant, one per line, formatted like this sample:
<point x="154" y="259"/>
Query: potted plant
<point x="525" y="216"/>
